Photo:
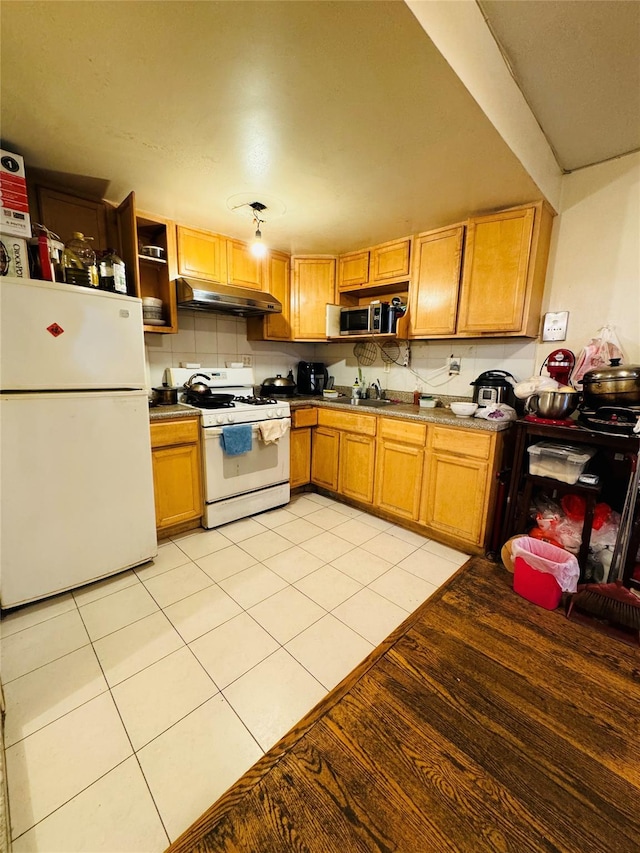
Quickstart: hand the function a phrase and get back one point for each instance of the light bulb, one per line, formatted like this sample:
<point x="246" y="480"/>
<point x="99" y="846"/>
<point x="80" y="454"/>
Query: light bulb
<point x="258" y="249"/>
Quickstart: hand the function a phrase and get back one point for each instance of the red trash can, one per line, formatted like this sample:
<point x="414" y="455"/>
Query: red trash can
<point x="541" y="571"/>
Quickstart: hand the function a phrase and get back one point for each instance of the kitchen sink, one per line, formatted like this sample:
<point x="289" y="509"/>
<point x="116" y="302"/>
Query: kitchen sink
<point x="376" y="403"/>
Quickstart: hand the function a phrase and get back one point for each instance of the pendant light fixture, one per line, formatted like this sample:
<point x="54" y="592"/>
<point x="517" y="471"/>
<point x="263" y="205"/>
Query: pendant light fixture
<point x="258" y="248"/>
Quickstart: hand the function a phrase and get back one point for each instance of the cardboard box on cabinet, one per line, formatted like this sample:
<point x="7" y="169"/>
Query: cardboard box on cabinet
<point x="14" y="259"/>
<point x="14" y="205"/>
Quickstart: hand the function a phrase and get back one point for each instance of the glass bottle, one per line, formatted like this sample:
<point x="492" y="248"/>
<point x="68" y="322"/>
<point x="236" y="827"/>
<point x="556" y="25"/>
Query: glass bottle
<point x="79" y="261"/>
<point x="111" y="272"/>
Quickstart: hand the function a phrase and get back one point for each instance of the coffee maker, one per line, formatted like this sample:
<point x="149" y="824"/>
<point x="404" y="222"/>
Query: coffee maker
<point x="312" y="377"/>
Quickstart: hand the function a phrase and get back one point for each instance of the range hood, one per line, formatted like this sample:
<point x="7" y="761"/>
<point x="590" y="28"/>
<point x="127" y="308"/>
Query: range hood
<point x="201" y="295"/>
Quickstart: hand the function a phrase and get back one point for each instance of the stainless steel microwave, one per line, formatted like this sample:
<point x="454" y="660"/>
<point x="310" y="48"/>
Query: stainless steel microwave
<point x="369" y="319"/>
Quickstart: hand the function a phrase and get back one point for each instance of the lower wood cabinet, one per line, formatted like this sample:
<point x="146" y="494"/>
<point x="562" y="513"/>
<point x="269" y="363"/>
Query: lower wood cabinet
<point x="399" y="467"/>
<point x="324" y="458"/>
<point x="177" y="481"/>
<point x="458" y="483"/>
<point x="357" y="457"/>
<point x="302" y="420"/>
<point x="343" y="457"/>
<point x="440" y="478"/>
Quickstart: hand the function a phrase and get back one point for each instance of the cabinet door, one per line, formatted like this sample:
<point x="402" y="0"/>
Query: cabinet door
<point x="353" y="270"/>
<point x="390" y="261"/>
<point x="455" y="498"/>
<point x="128" y="238"/>
<point x="277" y="327"/>
<point x="496" y="266"/>
<point x="243" y="268"/>
<point x="64" y="213"/>
<point x="300" y="465"/>
<point x="324" y="458"/>
<point x="176" y="480"/>
<point x="314" y="282"/>
<point x="399" y="478"/>
<point x="202" y="254"/>
<point x="357" y="458"/>
<point x="435" y="282"/>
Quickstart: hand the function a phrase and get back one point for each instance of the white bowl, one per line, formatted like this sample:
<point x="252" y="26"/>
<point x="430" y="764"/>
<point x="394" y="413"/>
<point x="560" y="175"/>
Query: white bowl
<point x="329" y="393"/>
<point x="151" y="300"/>
<point x="464" y="410"/>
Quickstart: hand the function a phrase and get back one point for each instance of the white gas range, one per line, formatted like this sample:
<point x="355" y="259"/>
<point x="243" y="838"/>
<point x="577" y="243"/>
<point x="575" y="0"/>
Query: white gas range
<point x="252" y="481"/>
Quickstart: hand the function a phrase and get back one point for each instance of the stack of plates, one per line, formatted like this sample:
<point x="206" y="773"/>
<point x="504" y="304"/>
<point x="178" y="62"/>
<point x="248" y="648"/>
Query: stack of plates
<point x="152" y="311"/>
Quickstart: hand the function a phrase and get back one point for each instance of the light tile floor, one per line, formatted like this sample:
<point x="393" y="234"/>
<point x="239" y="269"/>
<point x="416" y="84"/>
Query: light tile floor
<point x="134" y="703"/>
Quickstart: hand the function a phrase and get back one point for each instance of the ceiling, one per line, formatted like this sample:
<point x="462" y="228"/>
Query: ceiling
<point x="577" y="63"/>
<point x="342" y="117"/>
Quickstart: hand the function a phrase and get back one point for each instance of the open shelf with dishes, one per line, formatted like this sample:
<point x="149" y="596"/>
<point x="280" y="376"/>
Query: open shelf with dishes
<point x="153" y="276"/>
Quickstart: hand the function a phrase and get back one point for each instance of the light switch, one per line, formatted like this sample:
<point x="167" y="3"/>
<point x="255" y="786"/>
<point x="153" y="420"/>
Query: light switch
<point x="555" y="326"/>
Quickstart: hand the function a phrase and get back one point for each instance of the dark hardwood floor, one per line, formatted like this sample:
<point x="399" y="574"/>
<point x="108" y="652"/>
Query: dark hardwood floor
<point x="484" y="723"/>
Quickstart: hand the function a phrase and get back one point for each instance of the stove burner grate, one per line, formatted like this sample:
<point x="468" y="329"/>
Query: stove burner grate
<point x="257" y="401"/>
<point x="611" y="420"/>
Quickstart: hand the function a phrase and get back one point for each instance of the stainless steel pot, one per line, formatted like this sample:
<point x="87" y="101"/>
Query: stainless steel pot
<point x="165" y="395"/>
<point x="554" y="405"/>
<point x="615" y="385"/>
<point x="278" y="386"/>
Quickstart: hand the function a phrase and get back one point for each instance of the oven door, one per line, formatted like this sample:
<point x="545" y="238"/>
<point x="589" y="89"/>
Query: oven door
<point x="262" y="466"/>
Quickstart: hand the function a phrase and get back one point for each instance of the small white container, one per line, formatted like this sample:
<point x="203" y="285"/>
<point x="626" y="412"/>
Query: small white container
<point x="428" y="402"/>
<point x="329" y="394"/>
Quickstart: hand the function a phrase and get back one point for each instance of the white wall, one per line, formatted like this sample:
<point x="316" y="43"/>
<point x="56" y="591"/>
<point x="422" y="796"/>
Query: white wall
<point x="214" y="339"/>
<point x="594" y="266"/>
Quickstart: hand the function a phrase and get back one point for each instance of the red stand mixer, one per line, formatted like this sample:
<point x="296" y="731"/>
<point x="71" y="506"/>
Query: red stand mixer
<point x="559" y="364"/>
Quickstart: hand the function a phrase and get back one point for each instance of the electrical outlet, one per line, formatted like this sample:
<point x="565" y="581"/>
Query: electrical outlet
<point x="387" y="367"/>
<point x="247" y="361"/>
<point x="454" y="365"/>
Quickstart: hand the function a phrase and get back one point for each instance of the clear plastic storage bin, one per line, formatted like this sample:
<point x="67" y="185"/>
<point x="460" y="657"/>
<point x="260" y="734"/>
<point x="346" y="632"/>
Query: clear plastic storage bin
<point x="564" y="462"/>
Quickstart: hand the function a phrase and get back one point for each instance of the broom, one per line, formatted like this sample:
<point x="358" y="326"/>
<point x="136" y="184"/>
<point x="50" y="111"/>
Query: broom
<point x="612" y="602"/>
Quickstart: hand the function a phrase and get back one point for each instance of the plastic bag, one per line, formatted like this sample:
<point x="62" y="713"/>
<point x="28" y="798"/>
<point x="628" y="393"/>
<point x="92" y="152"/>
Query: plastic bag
<point x="547" y="558"/>
<point x="535" y="385"/>
<point x="597" y="353"/>
<point x="497" y="412"/>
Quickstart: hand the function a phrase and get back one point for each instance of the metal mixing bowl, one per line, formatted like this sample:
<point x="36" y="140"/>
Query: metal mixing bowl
<point x="555" y="405"/>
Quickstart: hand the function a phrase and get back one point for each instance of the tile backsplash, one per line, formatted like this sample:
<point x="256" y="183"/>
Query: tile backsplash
<point x="211" y="340"/>
<point x="427" y="369"/>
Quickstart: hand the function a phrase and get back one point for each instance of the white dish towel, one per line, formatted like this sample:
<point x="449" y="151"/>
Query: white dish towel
<point x="271" y="431"/>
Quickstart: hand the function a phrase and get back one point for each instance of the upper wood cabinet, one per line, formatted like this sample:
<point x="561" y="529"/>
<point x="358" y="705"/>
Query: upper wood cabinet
<point x="484" y="277"/>
<point x="435" y="282"/>
<point x="504" y="271"/>
<point x="353" y="270"/>
<point x="274" y="327"/>
<point x="388" y="263"/>
<point x="202" y="254"/>
<point x="63" y="213"/>
<point x="149" y="276"/>
<point x="243" y="268"/>
<point x="313" y="287"/>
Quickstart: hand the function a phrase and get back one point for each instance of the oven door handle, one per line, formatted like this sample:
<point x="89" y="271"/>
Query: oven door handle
<point x="211" y="432"/>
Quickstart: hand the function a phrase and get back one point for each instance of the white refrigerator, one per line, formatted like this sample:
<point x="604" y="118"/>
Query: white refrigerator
<point x="76" y="483"/>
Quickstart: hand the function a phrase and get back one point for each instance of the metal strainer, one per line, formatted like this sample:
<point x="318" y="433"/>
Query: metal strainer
<point x="365" y="353"/>
<point x="390" y="352"/>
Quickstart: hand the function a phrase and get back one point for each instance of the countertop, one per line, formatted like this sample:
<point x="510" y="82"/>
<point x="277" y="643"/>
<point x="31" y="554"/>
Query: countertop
<point x="406" y="411"/>
<point x="180" y="410"/>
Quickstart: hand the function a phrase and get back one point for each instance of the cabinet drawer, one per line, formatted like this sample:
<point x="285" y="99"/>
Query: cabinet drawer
<point x="402" y="431"/>
<point x="183" y="431"/>
<point x="461" y="442"/>
<point x="304" y="417"/>
<point x="348" y="421"/>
